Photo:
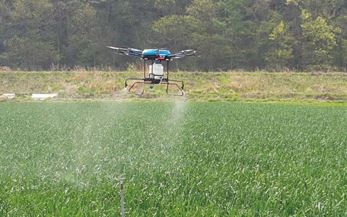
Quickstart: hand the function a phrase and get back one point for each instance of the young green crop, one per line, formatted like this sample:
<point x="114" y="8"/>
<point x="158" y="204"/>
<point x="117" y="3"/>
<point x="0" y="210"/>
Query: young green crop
<point x="177" y="159"/>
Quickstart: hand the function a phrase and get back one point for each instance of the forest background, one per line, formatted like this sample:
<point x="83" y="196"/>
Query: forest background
<point x="273" y="35"/>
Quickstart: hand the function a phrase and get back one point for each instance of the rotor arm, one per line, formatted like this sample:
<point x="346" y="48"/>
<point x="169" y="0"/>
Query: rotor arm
<point x="126" y="51"/>
<point x="183" y="53"/>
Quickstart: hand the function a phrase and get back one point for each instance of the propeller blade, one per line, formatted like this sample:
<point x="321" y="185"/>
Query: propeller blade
<point x="113" y="48"/>
<point x="126" y="51"/>
<point x="183" y="53"/>
<point x="189" y="52"/>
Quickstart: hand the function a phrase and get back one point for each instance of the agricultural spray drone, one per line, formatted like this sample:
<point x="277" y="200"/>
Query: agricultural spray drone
<point x="154" y="59"/>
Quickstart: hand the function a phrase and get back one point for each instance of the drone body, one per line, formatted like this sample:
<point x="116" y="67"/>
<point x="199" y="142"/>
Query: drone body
<point x="154" y="58"/>
<point x="159" y="55"/>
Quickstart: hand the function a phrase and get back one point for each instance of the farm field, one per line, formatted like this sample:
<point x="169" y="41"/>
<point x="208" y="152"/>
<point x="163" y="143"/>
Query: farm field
<point x="177" y="158"/>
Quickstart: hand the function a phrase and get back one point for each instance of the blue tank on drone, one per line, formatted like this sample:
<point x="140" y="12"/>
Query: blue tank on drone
<point x="155" y="53"/>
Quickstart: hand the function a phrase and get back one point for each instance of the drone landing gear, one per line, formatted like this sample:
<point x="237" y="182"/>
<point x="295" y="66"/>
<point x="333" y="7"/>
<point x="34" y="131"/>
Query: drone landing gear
<point x="154" y="77"/>
<point x="132" y="83"/>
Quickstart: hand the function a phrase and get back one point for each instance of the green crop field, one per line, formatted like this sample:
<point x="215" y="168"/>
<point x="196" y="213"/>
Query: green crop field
<point x="177" y="158"/>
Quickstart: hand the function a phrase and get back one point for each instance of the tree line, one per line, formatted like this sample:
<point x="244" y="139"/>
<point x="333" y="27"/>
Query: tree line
<point x="228" y="34"/>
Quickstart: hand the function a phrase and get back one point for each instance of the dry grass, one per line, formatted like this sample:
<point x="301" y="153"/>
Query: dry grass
<point x="199" y="86"/>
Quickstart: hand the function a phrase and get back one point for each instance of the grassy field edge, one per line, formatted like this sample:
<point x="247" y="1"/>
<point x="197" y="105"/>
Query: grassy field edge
<point x="199" y="86"/>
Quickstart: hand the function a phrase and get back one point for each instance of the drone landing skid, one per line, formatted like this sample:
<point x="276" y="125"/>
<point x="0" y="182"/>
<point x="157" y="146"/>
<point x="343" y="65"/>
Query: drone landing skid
<point x="150" y="81"/>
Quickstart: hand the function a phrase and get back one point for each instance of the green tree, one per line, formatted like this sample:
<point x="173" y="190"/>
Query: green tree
<point x="50" y="32"/>
<point x="280" y="53"/>
<point x="341" y="52"/>
<point x="320" y="40"/>
<point x="4" y="15"/>
<point x="79" y="37"/>
<point x="170" y="7"/>
<point x="198" y="28"/>
<point x="175" y="31"/>
<point x="29" y="44"/>
<point x="30" y="53"/>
